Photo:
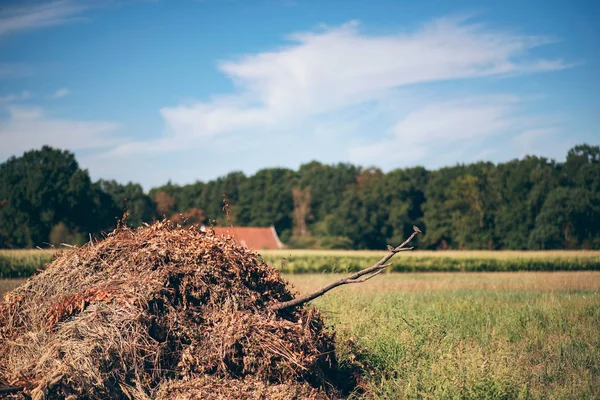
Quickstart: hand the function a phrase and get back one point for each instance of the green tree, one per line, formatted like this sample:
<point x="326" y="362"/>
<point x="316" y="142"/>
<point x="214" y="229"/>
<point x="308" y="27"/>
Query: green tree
<point x="570" y="216"/>
<point x="527" y="203"/>
<point x="130" y="199"/>
<point x="523" y="186"/>
<point x="437" y="210"/>
<point x="266" y="199"/>
<point x="211" y="199"/>
<point x="362" y="216"/>
<point x="328" y="183"/>
<point x="41" y="189"/>
<point x="568" y="220"/>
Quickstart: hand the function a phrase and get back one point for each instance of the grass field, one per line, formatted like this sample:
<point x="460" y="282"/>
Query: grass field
<point x="24" y="263"/>
<point x="468" y="335"/>
<point x="471" y="336"/>
<point x="307" y="261"/>
<point x="7" y="285"/>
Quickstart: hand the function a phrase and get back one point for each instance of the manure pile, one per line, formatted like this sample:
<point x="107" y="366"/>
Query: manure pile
<point x="163" y="312"/>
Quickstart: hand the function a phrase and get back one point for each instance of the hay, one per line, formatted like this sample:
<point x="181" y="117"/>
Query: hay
<point x="162" y="312"/>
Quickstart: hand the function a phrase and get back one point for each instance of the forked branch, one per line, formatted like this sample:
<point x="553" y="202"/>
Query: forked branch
<point x="365" y="274"/>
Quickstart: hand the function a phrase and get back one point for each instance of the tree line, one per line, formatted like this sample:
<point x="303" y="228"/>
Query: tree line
<point x="528" y="203"/>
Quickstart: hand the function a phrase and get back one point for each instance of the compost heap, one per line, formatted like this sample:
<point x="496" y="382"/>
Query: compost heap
<point x="162" y="312"/>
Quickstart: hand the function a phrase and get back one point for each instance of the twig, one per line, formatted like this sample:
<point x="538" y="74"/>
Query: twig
<point x="227" y="209"/>
<point x="11" y="389"/>
<point x="368" y="277"/>
<point x="407" y="323"/>
<point x="370" y="272"/>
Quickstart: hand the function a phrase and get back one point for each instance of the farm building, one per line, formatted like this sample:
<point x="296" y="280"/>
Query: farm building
<point x="255" y="238"/>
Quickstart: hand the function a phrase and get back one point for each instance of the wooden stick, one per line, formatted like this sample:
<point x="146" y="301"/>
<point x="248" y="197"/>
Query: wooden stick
<point x="11" y="389"/>
<point x="371" y="271"/>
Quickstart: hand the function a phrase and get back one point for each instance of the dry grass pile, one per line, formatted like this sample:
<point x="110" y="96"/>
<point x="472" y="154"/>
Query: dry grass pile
<point x="162" y="312"/>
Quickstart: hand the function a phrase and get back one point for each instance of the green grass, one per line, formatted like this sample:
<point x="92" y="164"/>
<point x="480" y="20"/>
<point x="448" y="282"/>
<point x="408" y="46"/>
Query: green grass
<point x="517" y="335"/>
<point x="307" y="261"/>
<point x="24" y="263"/>
<point x="471" y="336"/>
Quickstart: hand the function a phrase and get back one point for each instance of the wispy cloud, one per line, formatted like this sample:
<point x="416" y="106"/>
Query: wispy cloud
<point x="61" y="93"/>
<point x="447" y="129"/>
<point x="40" y="14"/>
<point x="332" y="94"/>
<point x="527" y="139"/>
<point x="331" y="70"/>
<point x="14" y="70"/>
<point x="24" y="95"/>
<point x="28" y="127"/>
<point x="542" y="141"/>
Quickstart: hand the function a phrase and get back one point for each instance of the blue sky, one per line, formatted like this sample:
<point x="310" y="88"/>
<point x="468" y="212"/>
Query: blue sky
<point x="151" y="91"/>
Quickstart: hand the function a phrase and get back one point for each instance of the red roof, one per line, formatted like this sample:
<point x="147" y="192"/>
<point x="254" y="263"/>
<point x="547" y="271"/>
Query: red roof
<point x="252" y="237"/>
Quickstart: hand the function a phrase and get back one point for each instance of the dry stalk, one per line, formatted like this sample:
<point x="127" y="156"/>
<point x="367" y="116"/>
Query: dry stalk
<point x="367" y="273"/>
<point x="10" y="389"/>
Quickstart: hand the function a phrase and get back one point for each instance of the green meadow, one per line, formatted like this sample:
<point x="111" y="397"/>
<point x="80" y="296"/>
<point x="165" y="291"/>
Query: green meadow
<point x="524" y="335"/>
<point x="24" y="263"/>
<point x="311" y="261"/>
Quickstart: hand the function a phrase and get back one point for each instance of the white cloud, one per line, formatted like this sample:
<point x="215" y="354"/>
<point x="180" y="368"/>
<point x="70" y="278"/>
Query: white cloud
<point x="336" y="94"/>
<point x="444" y="127"/>
<point x="456" y="120"/>
<point x="339" y="94"/>
<point x="329" y="71"/>
<point x="527" y="139"/>
<point x="40" y="14"/>
<point x="61" y="93"/>
<point x="27" y="128"/>
<point x="14" y="70"/>
<point x="542" y="141"/>
<point x="24" y="95"/>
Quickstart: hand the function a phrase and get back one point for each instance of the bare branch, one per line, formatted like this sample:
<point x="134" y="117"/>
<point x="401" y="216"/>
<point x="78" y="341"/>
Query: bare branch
<point x="416" y="231"/>
<point x="11" y="389"/>
<point x="371" y="271"/>
<point x="368" y="277"/>
<point x="404" y="249"/>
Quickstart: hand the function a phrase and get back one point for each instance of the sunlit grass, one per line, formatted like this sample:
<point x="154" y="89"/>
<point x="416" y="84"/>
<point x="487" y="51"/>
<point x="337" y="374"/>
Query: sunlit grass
<point x="461" y="335"/>
<point x="23" y="263"/>
<point x="306" y="261"/>
<point x="505" y="254"/>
